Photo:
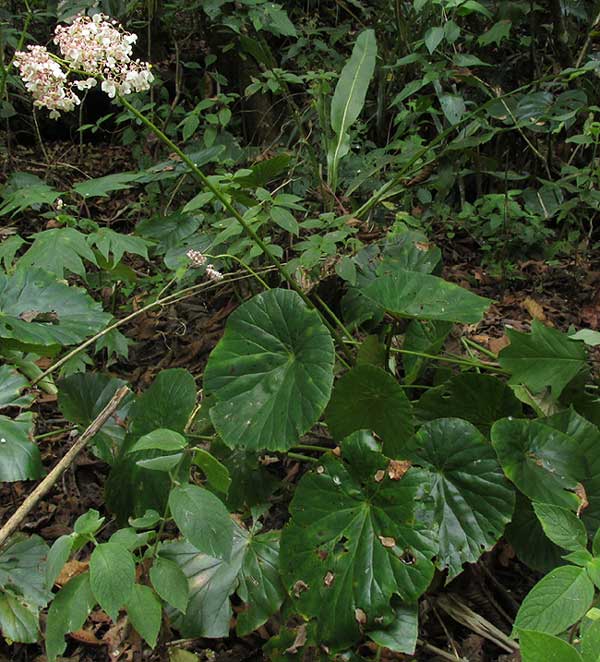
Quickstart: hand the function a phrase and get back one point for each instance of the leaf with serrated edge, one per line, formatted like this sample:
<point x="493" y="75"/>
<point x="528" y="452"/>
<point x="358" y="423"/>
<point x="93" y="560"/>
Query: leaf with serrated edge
<point x="338" y="514"/>
<point x="112" y="576"/>
<point x="422" y="296"/>
<point x="473" y="500"/>
<point x="544" y="357"/>
<point x="276" y="356"/>
<point x="67" y="613"/>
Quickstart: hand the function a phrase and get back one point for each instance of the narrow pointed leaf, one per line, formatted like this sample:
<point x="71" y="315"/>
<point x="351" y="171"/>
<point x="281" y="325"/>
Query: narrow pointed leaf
<point x="203" y="520"/>
<point x="351" y="89"/>
<point x="349" y="98"/>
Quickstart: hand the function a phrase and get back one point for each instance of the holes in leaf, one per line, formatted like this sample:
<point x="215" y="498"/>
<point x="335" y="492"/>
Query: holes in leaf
<point x="340" y="546"/>
<point x="407" y="557"/>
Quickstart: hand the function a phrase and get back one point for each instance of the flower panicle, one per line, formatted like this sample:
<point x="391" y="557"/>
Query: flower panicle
<point x="94" y="46"/>
<point x="198" y="259"/>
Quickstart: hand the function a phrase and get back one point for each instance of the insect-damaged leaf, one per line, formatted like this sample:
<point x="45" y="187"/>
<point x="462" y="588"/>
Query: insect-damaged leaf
<point x="343" y="524"/>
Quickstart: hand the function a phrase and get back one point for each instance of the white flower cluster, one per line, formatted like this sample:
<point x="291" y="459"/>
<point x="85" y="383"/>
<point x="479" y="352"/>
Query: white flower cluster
<point x="94" y="47"/>
<point x="46" y="81"/>
<point x="199" y="260"/>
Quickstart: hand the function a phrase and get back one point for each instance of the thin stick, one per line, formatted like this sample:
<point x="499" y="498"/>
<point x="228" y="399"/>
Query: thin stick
<point x="438" y="651"/>
<point x="45" y="486"/>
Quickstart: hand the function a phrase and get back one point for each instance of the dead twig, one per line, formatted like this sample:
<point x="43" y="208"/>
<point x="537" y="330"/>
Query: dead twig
<point x="45" y="486"/>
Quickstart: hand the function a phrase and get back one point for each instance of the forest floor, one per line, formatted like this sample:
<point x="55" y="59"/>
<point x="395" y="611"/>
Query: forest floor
<point x="183" y="335"/>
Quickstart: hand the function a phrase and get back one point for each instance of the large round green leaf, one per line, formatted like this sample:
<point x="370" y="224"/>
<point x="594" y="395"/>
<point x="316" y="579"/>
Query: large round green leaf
<point x="36" y="309"/>
<point x="408" y="250"/>
<point x="423" y="296"/>
<point x="585" y="438"/>
<point x="541" y="461"/>
<point x="22" y="587"/>
<point x="473" y="500"/>
<point x="12" y="382"/>
<point x="353" y="542"/>
<point x="369" y="398"/>
<point x="20" y="458"/>
<point x="271" y="373"/>
<point x="479" y="399"/>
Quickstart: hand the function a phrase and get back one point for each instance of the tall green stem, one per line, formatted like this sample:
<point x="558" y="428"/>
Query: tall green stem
<point x="205" y="181"/>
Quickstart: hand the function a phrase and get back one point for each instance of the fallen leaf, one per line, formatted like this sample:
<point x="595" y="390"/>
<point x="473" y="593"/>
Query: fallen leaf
<point x="583" y="500"/>
<point x="86" y="637"/>
<point x="534" y="309"/>
<point x="71" y="569"/>
<point x="496" y="345"/>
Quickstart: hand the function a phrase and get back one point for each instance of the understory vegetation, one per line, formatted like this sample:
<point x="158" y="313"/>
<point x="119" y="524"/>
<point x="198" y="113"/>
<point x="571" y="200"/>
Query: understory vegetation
<point x="299" y="330"/>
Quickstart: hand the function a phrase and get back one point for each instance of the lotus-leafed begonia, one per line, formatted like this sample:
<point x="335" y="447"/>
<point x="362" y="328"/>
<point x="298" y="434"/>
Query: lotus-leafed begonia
<point x="93" y="47"/>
